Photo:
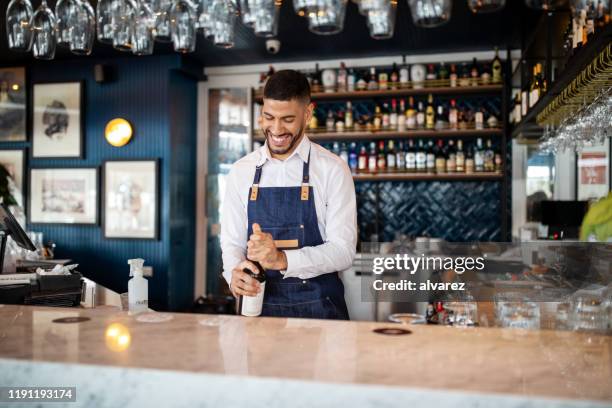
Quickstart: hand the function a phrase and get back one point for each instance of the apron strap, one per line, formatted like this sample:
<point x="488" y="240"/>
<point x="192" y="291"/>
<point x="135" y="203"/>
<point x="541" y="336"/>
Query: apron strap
<point x="305" y="178"/>
<point x="255" y="186"/>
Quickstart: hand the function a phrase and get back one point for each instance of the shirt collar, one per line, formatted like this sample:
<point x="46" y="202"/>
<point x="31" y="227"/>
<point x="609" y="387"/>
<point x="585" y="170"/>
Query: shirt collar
<point x="302" y="150"/>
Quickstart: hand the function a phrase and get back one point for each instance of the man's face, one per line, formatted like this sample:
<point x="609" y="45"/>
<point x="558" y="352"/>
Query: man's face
<point x="283" y="124"/>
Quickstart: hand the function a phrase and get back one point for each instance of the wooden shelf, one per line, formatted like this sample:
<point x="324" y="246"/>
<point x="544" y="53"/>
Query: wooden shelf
<point x="390" y="93"/>
<point x="426" y="176"/>
<point x="396" y="134"/>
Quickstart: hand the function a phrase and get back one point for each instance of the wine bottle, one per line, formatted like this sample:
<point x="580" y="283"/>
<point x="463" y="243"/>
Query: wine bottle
<point x="252" y="305"/>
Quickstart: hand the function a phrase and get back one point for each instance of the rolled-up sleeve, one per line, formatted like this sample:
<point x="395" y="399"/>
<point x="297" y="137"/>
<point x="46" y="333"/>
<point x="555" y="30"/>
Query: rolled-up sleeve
<point x="338" y="250"/>
<point x="233" y="227"/>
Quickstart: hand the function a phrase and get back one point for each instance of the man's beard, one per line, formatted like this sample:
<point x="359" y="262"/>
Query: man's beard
<point x="294" y="140"/>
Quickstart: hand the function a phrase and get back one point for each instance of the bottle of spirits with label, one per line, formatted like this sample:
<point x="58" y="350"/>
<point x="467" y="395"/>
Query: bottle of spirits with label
<point x="478" y="156"/>
<point x="412" y="162"/>
<point x="485" y="75"/>
<point x="534" y="90"/>
<point x="498" y="162"/>
<point x="469" y="161"/>
<point x="443" y="71"/>
<point x="421" y="158"/>
<point x="381" y="163"/>
<point x="330" y="123"/>
<point x="351" y="80"/>
<point x="377" y="117"/>
<point x="383" y="80"/>
<point x="386" y="116"/>
<point x="451" y="161"/>
<point x="479" y="119"/>
<point x="430" y="113"/>
<point x="393" y="115"/>
<point x="474" y="73"/>
<point x="453" y="76"/>
<point x="420" y="116"/>
<point x="394" y="77"/>
<point x="431" y="158"/>
<point x="391" y="162"/>
<point x="464" y="80"/>
<point x="489" y="157"/>
<point x="372" y="83"/>
<point x="362" y="83"/>
<point x="252" y="305"/>
<point x="341" y="78"/>
<point x="372" y="158"/>
<point x="401" y="116"/>
<point x="496" y="68"/>
<point x="441" y="119"/>
<point x="460" y="157"/>
<point x="404" y="74"/>
<point x="362" y="160"/>
<point x="314" y="120"/>
<point x="431" y="73"/>
<point x="340" y="122"/>
<point x="353" y="158"/>
<point x="348" y="118"/>
<point x="440" y="155"/>
<point x="411" y="121"/>
<point x="344" y="154"/>
<point x="400" y="157"/>
<point x="452" y="115"/>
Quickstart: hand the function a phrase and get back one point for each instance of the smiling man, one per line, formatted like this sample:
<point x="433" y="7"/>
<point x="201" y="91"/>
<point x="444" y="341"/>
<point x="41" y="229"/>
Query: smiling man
<point x="290" y="205"/>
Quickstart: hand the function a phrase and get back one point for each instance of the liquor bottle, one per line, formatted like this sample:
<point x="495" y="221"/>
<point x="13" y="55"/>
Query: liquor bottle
<point x="394" y="78"/>
<point x="336" y="148"/>
<point x="478" y="156"/>
<point x="479" y="119"/>
<point x="440" y="157"/>
<point x="516" y="113"/>
<point x="411" y="120"/>
<point x="342" y="78"/>
<point x="460" y="157"/>
<point x="391" y="162"/>
<point x="524" y="101"/>
<point x="474" y="73"/>
<point x="404" y="75"/>
<point x="314" y="120"/>
<point x="469" y="161"/>
<point x="462" y="118"/>
<point x="413" y="160"/>
<point x="453" y="75"/>
<point x="496" y="68"/>
<point x="401" y="116"/>
<point x="451" y="161"/>
<point x="485" y="75"/>
<point x="431" y="73"/>
<point x="372" y="158"/>
<point x="465" y="75"/>
<point x="348" y="118"/>
<point x="441" y="119"/>
<point x="344" y="154"/>
<point x="372" y="83"/>
<point x="252" y="305"/>
<point x="377" y="117"/>
<point x="383" y="80"/>
<point x="393" y="115"/>
<point x="534" y="89"/>
<point x="498" y="162"/>
<point x="420" y="158"/>
<point x="489" y="157"/>
<point x="430" y="158"/>
<point x="443" y="71"/>
<point x="362" y="160"/>
<point x="400" y="157"/>
<point x="330" y="122"/>
<point x="353" y="160"/>
<point x="386" y="120"/>
<point x="351" y="80"/>
<point x="430" y="113"/>
<point x="316" y="79"/>
<point x="420" y="116"/>
<point x="362" y="84"/>
<point x="381" y="163"/>
<point x="452" y="115"/>
<point x="340" y="122"/>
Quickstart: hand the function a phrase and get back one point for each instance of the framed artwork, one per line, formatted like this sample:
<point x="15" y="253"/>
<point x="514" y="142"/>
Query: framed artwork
<point x="57" y="120"/>
<point x="593" y="172"/>
<point x="13" y="161"/>
<point x="64" y="196"/>
<point x="13" y="102"/>
<point x="130" y="199"/>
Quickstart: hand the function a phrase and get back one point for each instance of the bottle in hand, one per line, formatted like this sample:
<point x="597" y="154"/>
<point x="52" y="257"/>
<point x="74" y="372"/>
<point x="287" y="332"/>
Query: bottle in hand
<point x="252" y="305"/>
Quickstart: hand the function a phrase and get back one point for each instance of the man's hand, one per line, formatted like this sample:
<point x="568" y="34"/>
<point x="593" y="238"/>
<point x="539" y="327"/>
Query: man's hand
<point x="261" y="248"/>
<point x="242" y="283"/>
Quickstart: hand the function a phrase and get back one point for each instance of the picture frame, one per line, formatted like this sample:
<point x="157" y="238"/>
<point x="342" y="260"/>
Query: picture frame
<point x="130" y="199"/>
<point x="58" y="118"/>
<point x="14" y="161"/>
<point x="64" y="196"/>
<point x="13" y="105"/>
<point x="593" y="172"/>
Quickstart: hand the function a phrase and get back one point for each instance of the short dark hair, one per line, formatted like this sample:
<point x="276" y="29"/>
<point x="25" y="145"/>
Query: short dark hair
<point x="286" y="85"/>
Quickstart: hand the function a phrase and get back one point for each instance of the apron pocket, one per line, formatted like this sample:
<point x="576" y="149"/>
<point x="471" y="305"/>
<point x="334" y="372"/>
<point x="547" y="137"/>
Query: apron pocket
<point x="286" y="237"/>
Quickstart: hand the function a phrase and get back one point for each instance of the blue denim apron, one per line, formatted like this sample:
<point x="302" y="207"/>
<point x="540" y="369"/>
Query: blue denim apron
<point x="289" y="215"/>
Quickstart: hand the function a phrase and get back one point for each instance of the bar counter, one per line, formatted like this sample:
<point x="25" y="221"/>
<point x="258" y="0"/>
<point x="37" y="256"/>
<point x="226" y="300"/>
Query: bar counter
<point x="115" y="359"/>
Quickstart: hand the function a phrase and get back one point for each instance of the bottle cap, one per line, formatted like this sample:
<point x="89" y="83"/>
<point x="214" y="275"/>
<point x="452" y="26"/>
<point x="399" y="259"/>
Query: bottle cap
<point x="135" y="265"/>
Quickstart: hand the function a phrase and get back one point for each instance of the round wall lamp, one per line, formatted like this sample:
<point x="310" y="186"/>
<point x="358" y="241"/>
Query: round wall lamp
<point x="118" y="132"/>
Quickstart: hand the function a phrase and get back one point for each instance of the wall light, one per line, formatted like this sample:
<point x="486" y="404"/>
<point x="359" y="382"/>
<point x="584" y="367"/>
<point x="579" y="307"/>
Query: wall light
<point x="118" y="132"/>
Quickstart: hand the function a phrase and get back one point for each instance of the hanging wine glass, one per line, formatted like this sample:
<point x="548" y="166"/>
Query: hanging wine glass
<point x="245" y="13"/>
<point x="64" y="15"/>
<point x="223" y="14"/>
<point x="161" y="8"/>
<point x="366" y="5"/>
<point x="430" y="13"/>
<point x="265" y="15"/>
<point x="43" y="32"/>
<point x="123" y="24"/>
<point x="303" y="7"/>
<point x="204" y="21"/>
<point x="328" y="17"/>
<point x="182" y="26"/>
<point x="83" y="31"/>
<point x="381" y="20"/>
<point x="144" y="30"/>
<point x="104" y="15"/>
<point x="18" y="16"/>
<point x="486" y="6"/>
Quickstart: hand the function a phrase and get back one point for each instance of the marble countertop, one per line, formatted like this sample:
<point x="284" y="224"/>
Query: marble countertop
<point x="543" y="363"/>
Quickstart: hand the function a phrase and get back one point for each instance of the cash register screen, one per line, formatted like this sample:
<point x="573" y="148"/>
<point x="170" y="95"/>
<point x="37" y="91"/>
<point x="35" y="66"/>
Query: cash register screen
<point x="11" y="227"/>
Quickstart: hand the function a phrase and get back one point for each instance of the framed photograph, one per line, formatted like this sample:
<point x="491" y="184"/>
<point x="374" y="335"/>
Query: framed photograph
<point x="130" y="199"/>
<point x="13" y="105"/>
<point x="64" y="196"/>
<point x="593" y="172"/>
<point x="13" y="161"/>
<point x="57" y="120"/>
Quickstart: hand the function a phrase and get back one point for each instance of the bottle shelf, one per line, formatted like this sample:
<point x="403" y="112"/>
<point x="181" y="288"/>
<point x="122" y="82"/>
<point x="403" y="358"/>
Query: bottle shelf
<point x="434" y="87"/>
<point x="396" y="134"/>
<point x="426" y="176"/>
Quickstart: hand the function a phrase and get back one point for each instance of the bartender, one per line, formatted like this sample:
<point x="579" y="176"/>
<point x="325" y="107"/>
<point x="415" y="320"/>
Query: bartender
<point x="290" y="205"/>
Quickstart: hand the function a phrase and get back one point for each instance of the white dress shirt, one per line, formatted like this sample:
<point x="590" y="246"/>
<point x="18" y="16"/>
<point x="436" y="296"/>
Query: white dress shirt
<point x="335" y="203"/>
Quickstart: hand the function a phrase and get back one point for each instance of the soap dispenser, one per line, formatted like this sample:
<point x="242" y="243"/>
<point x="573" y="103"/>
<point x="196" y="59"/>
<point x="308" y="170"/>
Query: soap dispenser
<point x="138" y="288"/>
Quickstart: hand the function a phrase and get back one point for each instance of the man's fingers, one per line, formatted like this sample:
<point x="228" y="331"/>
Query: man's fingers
<point x="250" y="266"/>
<point x="256" y="228"/>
